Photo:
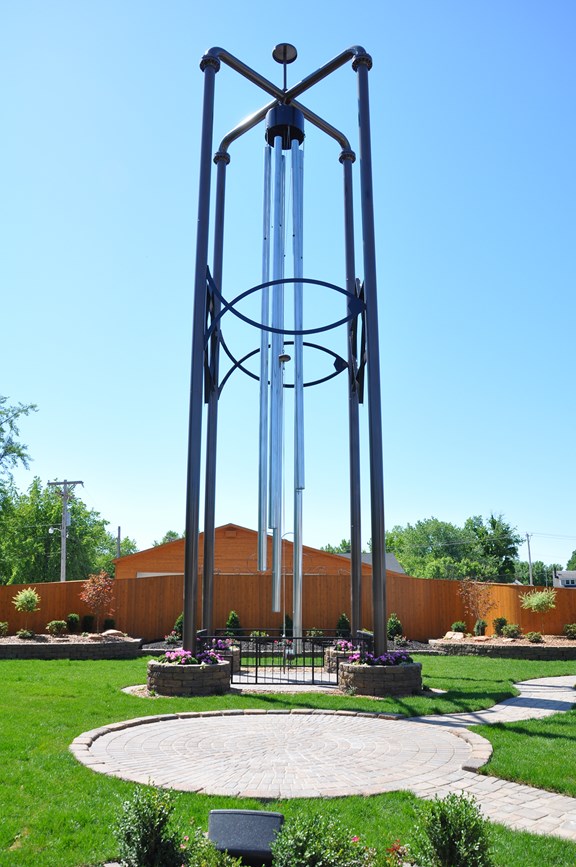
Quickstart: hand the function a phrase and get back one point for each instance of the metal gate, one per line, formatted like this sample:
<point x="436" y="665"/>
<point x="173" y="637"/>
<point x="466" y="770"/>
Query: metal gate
<point x="263" y="659"/>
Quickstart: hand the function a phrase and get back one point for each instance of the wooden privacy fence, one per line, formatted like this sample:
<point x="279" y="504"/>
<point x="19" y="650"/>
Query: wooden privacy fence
<point x="147" y="607"/>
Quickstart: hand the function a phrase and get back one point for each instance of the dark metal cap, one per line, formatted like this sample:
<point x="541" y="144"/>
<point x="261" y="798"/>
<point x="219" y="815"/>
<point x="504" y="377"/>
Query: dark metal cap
<point x="285" y="121"/>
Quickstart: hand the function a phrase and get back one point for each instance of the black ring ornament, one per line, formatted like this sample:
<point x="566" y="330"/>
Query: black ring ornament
<point x="356" y="306"/>
<point x="340" y="365"/>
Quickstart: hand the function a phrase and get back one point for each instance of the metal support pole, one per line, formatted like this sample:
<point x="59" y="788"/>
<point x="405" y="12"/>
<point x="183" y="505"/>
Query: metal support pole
<point x="221" y="161"/>
<point x="264" y="373"/>
<point x="299" y="474"/>
<point x="209" y="66"/>
<point x="362" y="65"/>
<point x="347" y="158"/>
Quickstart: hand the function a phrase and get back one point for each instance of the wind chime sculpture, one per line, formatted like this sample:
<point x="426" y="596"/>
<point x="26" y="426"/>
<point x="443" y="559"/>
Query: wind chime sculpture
<point x="284" y="119"/>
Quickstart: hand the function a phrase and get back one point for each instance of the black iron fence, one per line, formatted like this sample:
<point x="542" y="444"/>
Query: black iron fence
<point x="263" y="657"/>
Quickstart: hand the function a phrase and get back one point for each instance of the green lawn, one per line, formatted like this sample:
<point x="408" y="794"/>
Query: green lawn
<point x="57" y="812"/>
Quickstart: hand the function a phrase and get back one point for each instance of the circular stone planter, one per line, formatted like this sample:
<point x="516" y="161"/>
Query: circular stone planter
<point x="233" y="657"/>
<point x="166" y="679"/>
<point x="381" y="680"/>
<point x="334" y="658"/>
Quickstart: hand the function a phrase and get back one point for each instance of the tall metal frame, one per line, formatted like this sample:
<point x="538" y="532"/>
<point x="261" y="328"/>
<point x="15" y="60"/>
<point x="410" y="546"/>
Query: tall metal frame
<point x="361" y="321"/>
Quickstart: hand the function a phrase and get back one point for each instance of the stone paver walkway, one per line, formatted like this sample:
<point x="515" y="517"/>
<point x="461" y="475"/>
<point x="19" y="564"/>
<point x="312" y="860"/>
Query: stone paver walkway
<point x="303" y="753"/>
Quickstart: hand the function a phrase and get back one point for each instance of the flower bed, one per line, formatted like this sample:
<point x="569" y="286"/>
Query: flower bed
<point x="70" y="647"/>
<point x="180" y="673"/>
<point x="393" y="673"/>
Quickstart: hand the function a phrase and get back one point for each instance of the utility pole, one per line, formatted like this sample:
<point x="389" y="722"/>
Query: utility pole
<point x="63" y="490"/>
<point x="529" y="560"/>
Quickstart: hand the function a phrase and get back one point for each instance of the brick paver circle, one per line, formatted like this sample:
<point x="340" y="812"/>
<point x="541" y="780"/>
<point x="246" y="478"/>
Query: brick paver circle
<point x="274" y="755"/>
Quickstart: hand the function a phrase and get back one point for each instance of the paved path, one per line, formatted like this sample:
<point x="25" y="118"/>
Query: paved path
<point x="303" y="753"/>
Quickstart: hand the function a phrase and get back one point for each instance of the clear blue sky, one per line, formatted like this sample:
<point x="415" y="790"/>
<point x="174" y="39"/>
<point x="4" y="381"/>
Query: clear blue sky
<point x="474" y="136"/>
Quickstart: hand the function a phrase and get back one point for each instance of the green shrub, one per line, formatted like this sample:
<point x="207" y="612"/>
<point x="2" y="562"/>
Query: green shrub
<point x="401" y="641"/>
<point x="313" y="632"/>
<point x="3" y="628"/>
<point x="316" y="841"/>
<point x="73" y="622"/>
<point x="569" y="631"/>
<point x="56" y="627"/>
<point x="109" y="623"/>
<point x="480" y="627"/>
<point x="258" y="633"/>
<point x="233" y="624"/>
<point x="198" y="851"/>
<point x="88" y="621"/>
<point x="179" y="625"/>
<point x="25" y="633"/>
<point x="27" y="601"/>
<point x="534" y="637"/>
<point x="343" y="627"/>
<point x="144" y="834"/>
<point x="511" y="630"/>
<point x="458" y="626"/>
<point x="393" y="627"/>
<point x="499" y="623"/>
<point x="453" y="833"/>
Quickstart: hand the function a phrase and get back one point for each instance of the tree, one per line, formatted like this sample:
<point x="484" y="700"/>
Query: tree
<point x="571" y="564"/>
<point x="476" y="598"/>
<point x="344" y="547"/>
<point x="29" y="552"/>
<point x="12" y="451"/>
<point x="98" y="593"/>
<point x="497" y="544"/>
<point x="541" y="573"/>
<point x="169" y="536"/>
<point x="431" y="549"/>
<point x="539" y="601"/>
<point x="481" y="549"/>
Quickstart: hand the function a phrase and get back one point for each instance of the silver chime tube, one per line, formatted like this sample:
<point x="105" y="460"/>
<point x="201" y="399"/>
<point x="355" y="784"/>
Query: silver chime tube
<point x="264" y="364"/>
<point x="297" y="235"/>
<point x="277" y="376"/>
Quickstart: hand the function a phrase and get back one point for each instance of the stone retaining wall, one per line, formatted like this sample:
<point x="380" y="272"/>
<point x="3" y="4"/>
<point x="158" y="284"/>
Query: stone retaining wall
<point x="128" y="648"/>
<point x="381" y="680"/>
<point x="188" y="680"/>
<point x="506" y="651"/>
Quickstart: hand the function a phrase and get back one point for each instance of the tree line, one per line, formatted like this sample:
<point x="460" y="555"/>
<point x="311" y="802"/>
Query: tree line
<point x="484" y="549"/>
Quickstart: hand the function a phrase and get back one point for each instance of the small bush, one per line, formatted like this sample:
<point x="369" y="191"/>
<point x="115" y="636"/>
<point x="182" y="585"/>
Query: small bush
<point x="569" y="631"/>
<point x="144" y="835"/>
<point x="480" y="627"/>
<point x="401" y="641"/>
<point x="453" y="833"/>
<point x="56" y="627"/>
<point x="534" y="637"/>
<point x="198" y="851"/>
<point x="258" y="633"/>
<point x="233" y="624"/>
<point x="393" y="627"/>
<point x="179" y="625"/>
<point x="343" y="627"/>
<point x="25" y="634"/>
<point x="109" y="623"/>
<point x="511" y="630"/>
<point x="499" y="623"/>
<point x="73" y="622"/>
<point x="310" y="840"/>
<point x="3" y="628"/>
<point x="458" y="626"/>
<point x="88" y="621"/>
<point x="172" y="638"/>
<point x="314" y="633"/>
<point x="26" y="601"/>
